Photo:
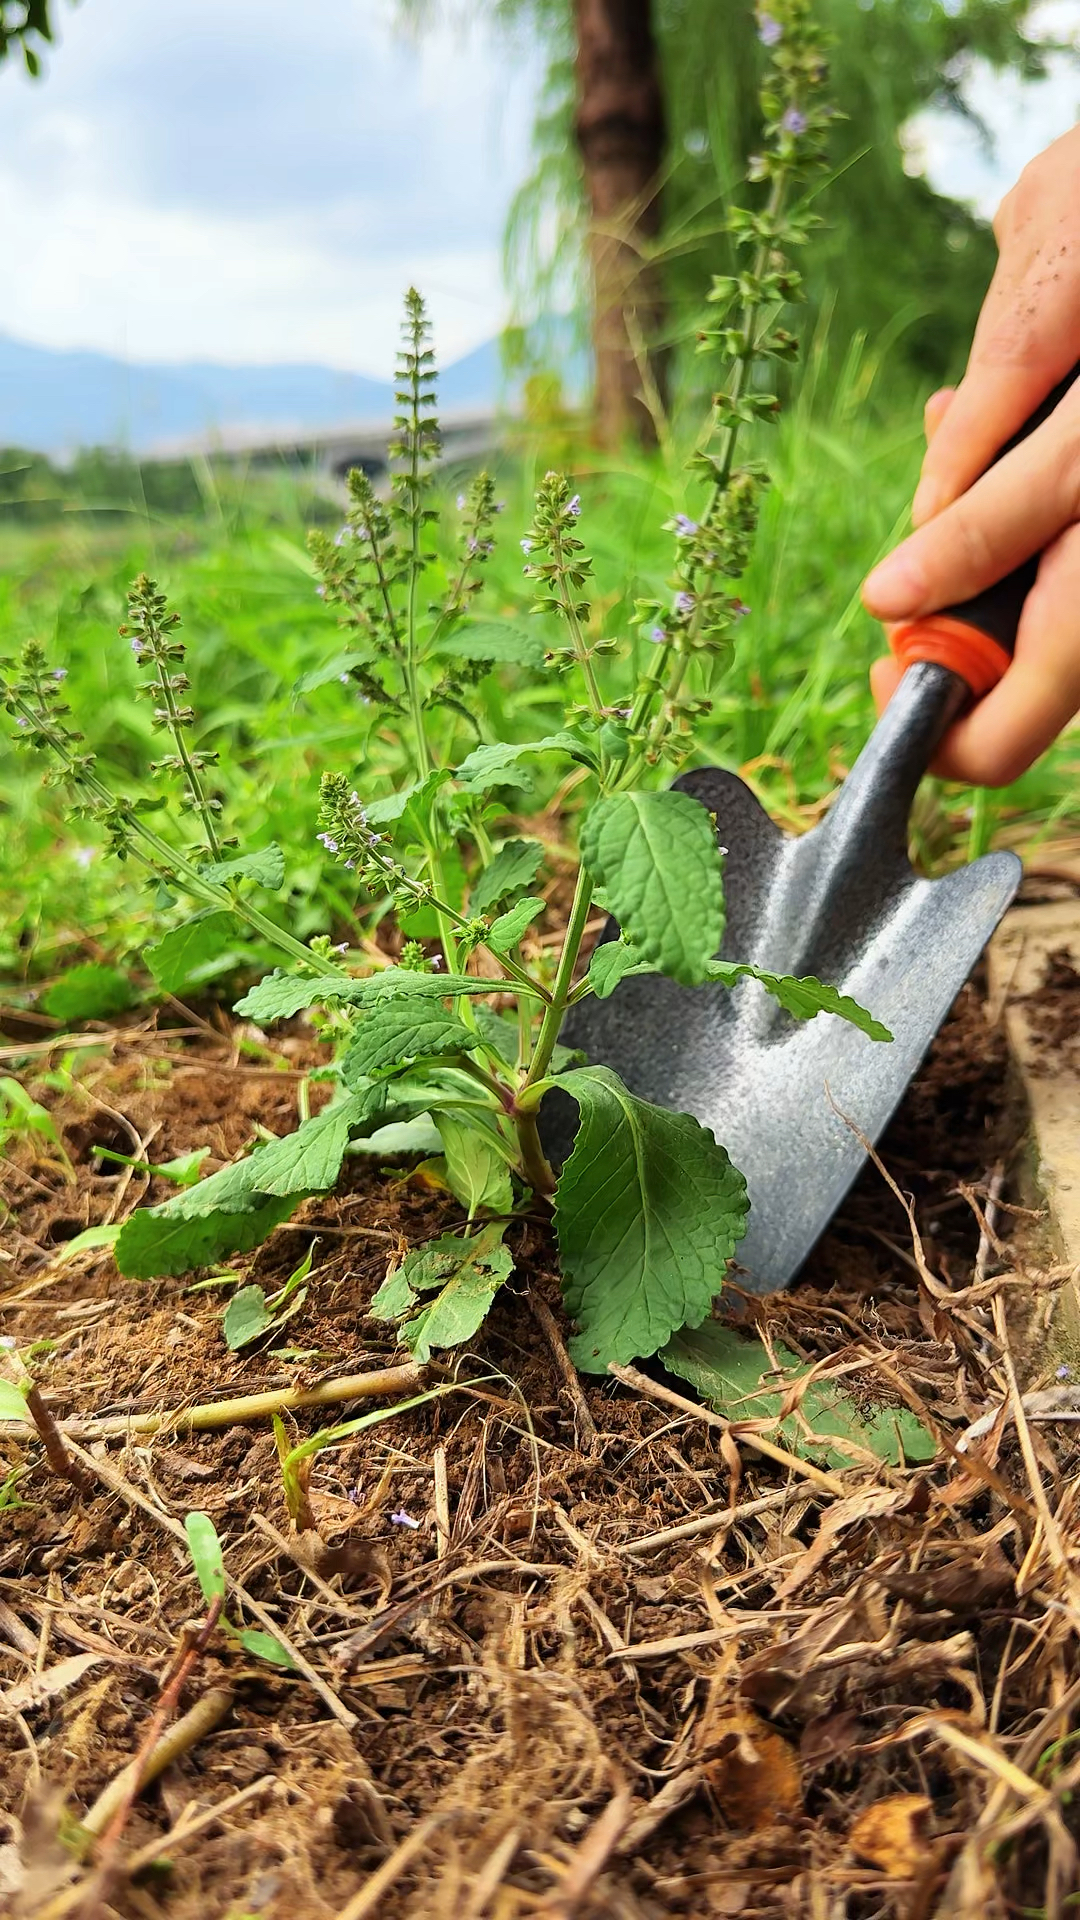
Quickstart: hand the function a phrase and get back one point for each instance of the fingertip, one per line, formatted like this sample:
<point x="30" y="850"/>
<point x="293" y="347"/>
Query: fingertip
<point x="885" y="676"/>
<point x="935" y="410"/>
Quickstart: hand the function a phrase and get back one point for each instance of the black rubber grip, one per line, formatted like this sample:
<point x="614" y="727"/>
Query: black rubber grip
<point x="997" y="611"/>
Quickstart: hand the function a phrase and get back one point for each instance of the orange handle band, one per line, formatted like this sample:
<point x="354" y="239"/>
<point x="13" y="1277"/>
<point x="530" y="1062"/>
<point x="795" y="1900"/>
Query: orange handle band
<point x="977" y="658"/>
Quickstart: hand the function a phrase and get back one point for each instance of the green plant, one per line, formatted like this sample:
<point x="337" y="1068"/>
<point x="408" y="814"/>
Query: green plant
<point x="648" y="1208"/>
<point x="208" y="1561"/>
<point x="21" y="1117"/>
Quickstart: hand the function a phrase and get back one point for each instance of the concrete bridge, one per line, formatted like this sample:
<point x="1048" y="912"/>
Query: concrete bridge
<point x="329" y="452"/>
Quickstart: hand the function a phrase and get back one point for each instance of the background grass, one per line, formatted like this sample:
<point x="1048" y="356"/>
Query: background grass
<point x="792" y="710"/>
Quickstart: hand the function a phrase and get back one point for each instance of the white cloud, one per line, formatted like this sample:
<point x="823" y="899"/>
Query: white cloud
<point x="242" y="180"/>
<point x="1021" y="120"/>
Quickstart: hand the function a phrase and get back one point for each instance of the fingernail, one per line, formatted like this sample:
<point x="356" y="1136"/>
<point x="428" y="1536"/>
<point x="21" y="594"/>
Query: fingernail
<point x="895" y="589"/>
<point x="929" y="499"/>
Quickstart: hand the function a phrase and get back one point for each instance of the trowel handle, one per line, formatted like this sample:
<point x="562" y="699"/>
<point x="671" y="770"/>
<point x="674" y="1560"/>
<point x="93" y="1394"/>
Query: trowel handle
<point x="976" y="638"/>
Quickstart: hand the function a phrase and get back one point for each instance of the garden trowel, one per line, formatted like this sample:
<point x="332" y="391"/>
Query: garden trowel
<point x="795" y="1102"/>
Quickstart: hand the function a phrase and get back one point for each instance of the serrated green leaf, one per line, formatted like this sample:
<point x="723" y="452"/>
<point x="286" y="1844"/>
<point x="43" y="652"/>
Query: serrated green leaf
<point x="495" y="640"/>
<point x="801" y="997"/>
<point x="611" y="963"/>
<point x="88" y="993"/>
<point x="330" y="670"/>
<point x="733" y="1373"/>
<point x="514" y="868"/>
<point x="393" y="1037"/>
<point x="648" y="1212"/>
<point x="190" y="947"/>
<point x="506" y="931"/>
<point x="501" y="765"/>
<point x="281" y="995"/>
<point x="476" y="1171"/>
<point x="206" y="1555"/>
<point x="411" y="808"/>
<point x="657" y="859"/>
<point x="245" y="1318"/>
<point x="153" y="1244"/>
<point x="468" y="1271"/>
<point x="13" y="1403"/>
<point x="266" y="868"/>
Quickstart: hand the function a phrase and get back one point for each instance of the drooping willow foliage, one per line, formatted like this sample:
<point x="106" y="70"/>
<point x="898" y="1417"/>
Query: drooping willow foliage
<point x="899" y="260"/>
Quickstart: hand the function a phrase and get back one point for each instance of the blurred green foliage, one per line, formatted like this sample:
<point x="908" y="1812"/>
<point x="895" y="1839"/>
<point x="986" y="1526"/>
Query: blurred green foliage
<point x="896" y="259"/>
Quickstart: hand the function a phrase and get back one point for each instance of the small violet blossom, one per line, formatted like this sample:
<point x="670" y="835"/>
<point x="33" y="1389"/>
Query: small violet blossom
<point x="342" y="947"/>
<point x="59" y="673"/>
<point x="340" y="538"/>
<point x="461" y="503"/>
<point x="1063" y="1372"/>
<point x="739" y="609"/>
<point x="685" y="603"/>
<point x="526" y="546"/>
<point x="403" y="1519"/>
<point x="320" y="594"/>
<point x="328" y="841"/>
<point x="573" y="507"/>
<point x="83" y="857"/>
<point x="137" y="648"/>
<point x="770" y="32"/>
<point x="685" y="527"/>
<point x="657" y="636"/>
<point x="22" y="721"/>
<point x="794" y="121"/>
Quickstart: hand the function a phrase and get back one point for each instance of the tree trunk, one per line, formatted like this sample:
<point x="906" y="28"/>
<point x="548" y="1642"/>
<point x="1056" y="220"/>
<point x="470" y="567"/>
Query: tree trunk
<point x="621" y="133"/>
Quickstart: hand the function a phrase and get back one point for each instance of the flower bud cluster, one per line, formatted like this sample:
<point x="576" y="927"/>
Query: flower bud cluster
<point x="478" y="508"/>
<point x="554" y="556"/>
<point x="150" y="627"/>
<point x="30" y="690"/>
<point x="347" y="834"/>
<point x="417" y="442"/>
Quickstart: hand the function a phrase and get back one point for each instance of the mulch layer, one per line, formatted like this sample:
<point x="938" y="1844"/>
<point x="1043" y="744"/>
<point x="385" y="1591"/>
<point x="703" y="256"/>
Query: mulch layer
<point x="563" y="1648"/>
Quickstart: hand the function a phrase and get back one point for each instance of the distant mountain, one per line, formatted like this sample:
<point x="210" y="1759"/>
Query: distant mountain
<point x="54" y="403"/>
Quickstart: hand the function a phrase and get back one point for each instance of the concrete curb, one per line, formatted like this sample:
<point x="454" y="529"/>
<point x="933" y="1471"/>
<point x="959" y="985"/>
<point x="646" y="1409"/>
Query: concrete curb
<point x="1046" y="1067"/>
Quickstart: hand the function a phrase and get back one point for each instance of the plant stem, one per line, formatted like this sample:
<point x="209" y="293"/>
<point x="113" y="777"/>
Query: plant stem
<point x="560" y="993"/>
<point x="581" y="647"/>
<point x="190" y="770"/>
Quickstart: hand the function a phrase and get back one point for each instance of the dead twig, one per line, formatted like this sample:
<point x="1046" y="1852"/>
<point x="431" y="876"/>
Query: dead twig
<point x="587" y="1436"/>
<point x="366" y="1899"/>
<point x="591" y="1857"/>
<point x="641" y="1383"/>
<point x="382" y="1382"/>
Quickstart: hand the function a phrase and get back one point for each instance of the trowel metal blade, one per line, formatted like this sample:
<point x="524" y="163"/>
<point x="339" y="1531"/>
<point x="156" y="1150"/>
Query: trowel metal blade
<point x="789" y="1099"/>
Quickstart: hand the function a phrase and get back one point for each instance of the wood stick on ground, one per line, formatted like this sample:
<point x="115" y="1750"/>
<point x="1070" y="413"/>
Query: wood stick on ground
<point x="188" y="1657"/>
<point x="366" y="1899"/>
<point x="384" y="1381"/>
<point x="711" y="1522"/>
<point x="588" y="1438"/>
<point x="187" y="1830"/>
<point x="114" y="1480"/>
<point x="591" y="1857"/>
<point x="641" y="1383"/>
<point x="442" y="1503"/>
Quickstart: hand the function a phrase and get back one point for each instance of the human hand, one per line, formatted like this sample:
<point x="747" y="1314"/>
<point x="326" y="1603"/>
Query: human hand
<point x="972" y="530"/>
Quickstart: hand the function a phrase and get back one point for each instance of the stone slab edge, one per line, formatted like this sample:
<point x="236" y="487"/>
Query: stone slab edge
<point x="1049" y="1084"/>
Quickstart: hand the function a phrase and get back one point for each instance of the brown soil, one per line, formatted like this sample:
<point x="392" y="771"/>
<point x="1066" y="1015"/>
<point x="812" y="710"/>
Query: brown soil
<point x="809" y="1709"/>
<point x="1054" y="1010"/>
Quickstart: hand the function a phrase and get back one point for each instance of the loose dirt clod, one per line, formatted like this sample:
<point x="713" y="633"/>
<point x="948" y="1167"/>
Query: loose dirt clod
<point x="576" y="1679"/>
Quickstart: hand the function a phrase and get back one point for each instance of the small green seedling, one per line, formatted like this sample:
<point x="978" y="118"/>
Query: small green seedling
<point x="209" y="1563"/>
<point x="182" y="1172"/>
<point x="250" y="1313"/>
<point x="22" y="1117"/>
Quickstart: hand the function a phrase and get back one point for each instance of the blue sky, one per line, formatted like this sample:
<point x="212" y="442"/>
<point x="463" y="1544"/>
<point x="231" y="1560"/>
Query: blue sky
<point x="255" y="180"/>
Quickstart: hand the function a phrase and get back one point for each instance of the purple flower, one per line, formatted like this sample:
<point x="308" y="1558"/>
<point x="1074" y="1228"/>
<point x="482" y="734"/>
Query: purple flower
<point x="685" y="602"/>
<point x="684" y="526"/>
<point x="83" y="856"/>
<point x="794" y="121"/>
<point x="22" y="721"/>
<point x="573" y="507"/>
<point x="620" y="713"/>
<point x="739" y="609"/>
<point x="526" y="546"/>
<point x="344" y="678"/>
<point x="350" y="866"/>
<point x="328" y="842"/>
<point x="137" y="648"/>
<point x="403" y="1519"/>
<point x="461" y="503"/>
<point x="1063" y="1373"/>
<point x="342" y="947"/>
<point x="340" y="538"/>
<point x="770" y="32"/>
<point x="474" y="546"/>
<point x="59" y="673"/>
<point x="320" y="594"/>
<point x="436" y="963"/>
<point x="657" y="636"/>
